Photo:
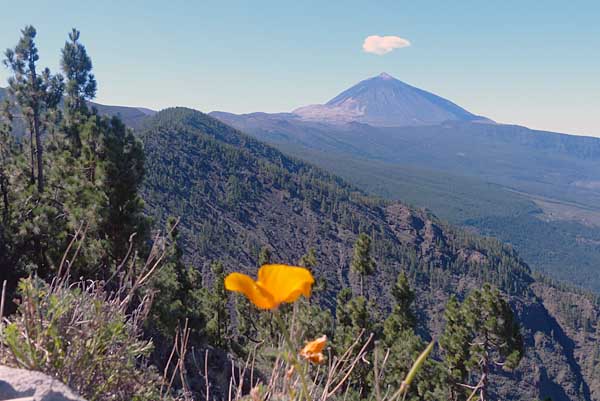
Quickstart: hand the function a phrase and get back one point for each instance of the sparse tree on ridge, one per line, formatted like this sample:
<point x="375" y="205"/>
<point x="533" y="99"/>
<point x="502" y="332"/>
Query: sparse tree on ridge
<point x="264" y="257"/>
<point x="362" y="262"/>
<point x="309" y="259"/>
<point x="402" y="316"/>
<point x="217" y="316"/>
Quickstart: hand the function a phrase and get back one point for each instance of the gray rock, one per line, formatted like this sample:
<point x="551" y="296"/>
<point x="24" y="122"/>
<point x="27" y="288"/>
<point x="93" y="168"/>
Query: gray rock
<point x="26" y="385"/>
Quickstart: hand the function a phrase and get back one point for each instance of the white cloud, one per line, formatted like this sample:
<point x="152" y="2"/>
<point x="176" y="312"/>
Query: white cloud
<point x="381" y="45"/>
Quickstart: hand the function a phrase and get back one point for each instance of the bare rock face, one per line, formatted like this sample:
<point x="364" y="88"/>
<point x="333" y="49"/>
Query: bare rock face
<point x="26" y="385"/>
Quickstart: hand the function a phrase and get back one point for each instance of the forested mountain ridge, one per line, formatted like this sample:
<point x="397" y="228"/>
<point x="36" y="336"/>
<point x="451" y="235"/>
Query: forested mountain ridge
<point x="537" y="190"/>
<point x="236" y="195"/>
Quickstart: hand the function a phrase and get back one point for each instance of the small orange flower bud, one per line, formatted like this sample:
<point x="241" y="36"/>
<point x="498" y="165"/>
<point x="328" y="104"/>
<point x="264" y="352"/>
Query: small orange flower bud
<point x="313" y="350"/>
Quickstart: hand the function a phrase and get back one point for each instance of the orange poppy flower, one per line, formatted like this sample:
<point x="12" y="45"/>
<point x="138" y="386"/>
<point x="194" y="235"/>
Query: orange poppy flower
<point x="313" y="350"/>
<point x="275" y="284"/>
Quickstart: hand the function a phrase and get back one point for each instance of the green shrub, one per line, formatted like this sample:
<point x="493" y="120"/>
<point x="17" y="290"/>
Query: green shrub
<point x="82" y="335"/>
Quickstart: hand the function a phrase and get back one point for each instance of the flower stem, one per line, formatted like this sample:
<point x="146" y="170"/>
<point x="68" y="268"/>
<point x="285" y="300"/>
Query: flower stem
<point x="292" y="353"/>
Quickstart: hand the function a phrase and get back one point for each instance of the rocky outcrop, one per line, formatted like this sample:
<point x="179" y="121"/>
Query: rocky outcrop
<point x="26" y="385"/>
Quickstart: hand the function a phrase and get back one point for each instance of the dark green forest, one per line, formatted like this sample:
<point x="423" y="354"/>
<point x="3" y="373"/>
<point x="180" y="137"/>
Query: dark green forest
<point x="533" y="189"/>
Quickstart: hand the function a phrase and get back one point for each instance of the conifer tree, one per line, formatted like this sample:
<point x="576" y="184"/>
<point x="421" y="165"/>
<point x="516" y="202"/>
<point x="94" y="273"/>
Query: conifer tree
<point x="264" y="257"/>
<point x="404" y="345"/>
<point x="81" y="84"/>
<point x="6" y="153"/>
<point x="6" y="161"/>
<point x="343" y="319"/>
<point x="312" y="318"/>
<point x="402" y="316"/>
<point x="317" y="298"/>
<point x="80" y="87"/>
<point x="246" y="330"/>
<point x="217" y="324"/>
<point x="455" y="343"/>
<point x="178" y="296"/>
<point x="250" y="323"/>
<point x="36" y="229"/>
<point x="354" y="315"/>
<point x="309" y="259"/>
<point x="362" y="262"/>
<point x="167" y="307"/>
<point x="35" y="93"/>
<point x="480" y="335"/>
<point x="78" y="154"/>
<point x="123" y="176"/>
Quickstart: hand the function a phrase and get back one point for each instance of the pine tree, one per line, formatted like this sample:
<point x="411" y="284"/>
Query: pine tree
<point x="264" y="257"/>
<point x="253" y="326"/>
<point x="167" y="307"/>
<point x="89" y="184"/>
<point x="362" y="262"/>
<point x="309" y="259"/>
<point x="402" y="316"/>
<point x="405" y="345"/>
<point x="123" y="175"/>
<point x="178" y="296"/>
<point x="455" y="343"/>
<point x="78" y="121"/>
<point x="311" y="318"/>
<point x="318" y="295"/>
<point x="343" y="320"/>
<point x="6" y="156"/>
<point x="36" y="230"/>
<point x="169" y="286"/>
<point x="217" y="324"/>
<point x="7" y="153"/>
<point x="80" y="87"/>
<point x="404" y="348"/>
<point x="354" y="315"/>
<point x="36" y="94"/>
<point x="480" y="335"/>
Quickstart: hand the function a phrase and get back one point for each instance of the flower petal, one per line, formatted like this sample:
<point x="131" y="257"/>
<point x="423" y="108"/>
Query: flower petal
<point x="315" y="346"/>
<point x="285" y="283"/>
<point x="239" y="282"/>
<point x="317" y="358"/>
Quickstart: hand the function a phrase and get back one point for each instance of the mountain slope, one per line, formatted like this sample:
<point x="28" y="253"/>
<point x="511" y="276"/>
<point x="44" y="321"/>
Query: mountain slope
<point x="537" y="190"/>
<point x="131" y="116"/>
<point x="385" y="101"/>
<point x="235" y="194"/>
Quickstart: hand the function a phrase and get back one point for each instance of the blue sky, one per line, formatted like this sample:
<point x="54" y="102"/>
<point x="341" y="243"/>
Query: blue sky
<point x="535" y="63"/>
